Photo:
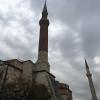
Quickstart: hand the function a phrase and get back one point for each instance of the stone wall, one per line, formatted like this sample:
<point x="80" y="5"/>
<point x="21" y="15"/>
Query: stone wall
<point x="13" y="75"/>
<point x="27" y="70"/>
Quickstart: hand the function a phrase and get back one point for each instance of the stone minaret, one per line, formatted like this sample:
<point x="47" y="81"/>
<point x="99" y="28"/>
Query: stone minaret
<point x="42" y="65"/>
<point x="43" y="40"/>
<point x="89" y="76"/>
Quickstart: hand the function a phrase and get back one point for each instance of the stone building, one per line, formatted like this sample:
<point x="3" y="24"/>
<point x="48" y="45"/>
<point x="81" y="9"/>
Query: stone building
<point x="11" y="70"/>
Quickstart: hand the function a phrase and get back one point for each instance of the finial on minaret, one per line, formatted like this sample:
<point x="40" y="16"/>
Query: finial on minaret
<point x="45" y="6"/>
<point x="87" y="68"/>
<point x="89" y="76"/>
<point x="45" y="12"/>
<point x="86" y="64"/>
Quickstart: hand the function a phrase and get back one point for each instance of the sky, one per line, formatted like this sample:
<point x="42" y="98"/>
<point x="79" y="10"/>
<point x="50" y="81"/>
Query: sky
<point x="74" y="33"/>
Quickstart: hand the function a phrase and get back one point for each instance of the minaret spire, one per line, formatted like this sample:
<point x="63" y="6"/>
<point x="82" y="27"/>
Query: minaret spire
<point x="89" y="76"/>
<point x="45" y="6"/>
<point x="45" y="12"/>
<point x="87" y="69"/>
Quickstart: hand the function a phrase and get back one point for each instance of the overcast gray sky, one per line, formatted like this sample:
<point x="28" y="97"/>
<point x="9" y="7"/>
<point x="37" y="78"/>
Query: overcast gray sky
<point x="74" y="32"/>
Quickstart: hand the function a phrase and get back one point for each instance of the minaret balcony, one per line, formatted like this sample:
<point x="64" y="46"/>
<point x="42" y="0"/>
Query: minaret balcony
<point x="44" y="21"/>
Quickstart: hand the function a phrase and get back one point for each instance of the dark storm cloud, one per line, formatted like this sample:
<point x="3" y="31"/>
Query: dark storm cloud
<point x="90" y="33"/>
<point x="75" y="34"/>
<point x="88" y="13"/>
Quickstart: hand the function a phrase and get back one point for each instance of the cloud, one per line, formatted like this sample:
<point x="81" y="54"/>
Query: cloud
<point x="73" y="33"/>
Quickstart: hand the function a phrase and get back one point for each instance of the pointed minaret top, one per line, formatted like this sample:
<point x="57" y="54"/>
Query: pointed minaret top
<point x="45" y="12"/>
<point x="86" y="64"/>
<point x="87" y="68"/>
<point x="45" y="6"/>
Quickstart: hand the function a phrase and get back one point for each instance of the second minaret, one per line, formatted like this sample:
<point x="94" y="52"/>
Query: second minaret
<point x="89" y="76"/>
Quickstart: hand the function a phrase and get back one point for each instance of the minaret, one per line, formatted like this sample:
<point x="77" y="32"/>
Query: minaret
<point x="43" y="39"/>
<point x="42" y="74"/>
<point x="42" y="65"/>
<point x="89" y="76"/>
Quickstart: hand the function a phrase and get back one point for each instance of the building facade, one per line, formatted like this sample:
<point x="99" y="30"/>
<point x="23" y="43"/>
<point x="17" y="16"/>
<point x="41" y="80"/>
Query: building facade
<point x="39" y="72"/>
